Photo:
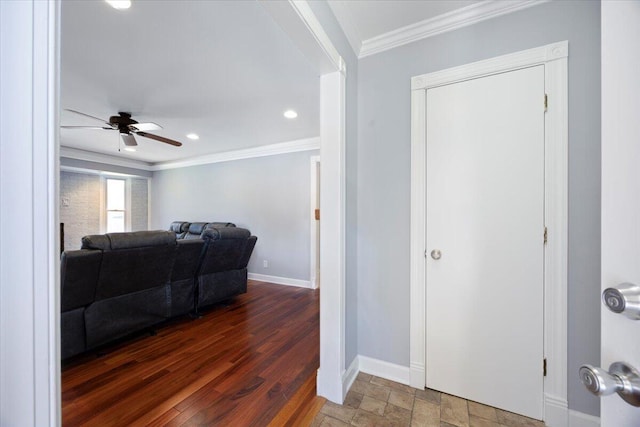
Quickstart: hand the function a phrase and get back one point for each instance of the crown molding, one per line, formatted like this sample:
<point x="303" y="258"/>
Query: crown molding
<point x="295" y="146"/>
<point x="91" y="156"/>
<point x="446" y="22"/>
<point x="247" y="153"/>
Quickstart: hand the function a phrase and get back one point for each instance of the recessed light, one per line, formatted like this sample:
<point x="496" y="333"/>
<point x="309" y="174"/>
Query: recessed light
<point x="119" y="4"/>
<point x="129" y="149"/>
<point x="290" y="114"/>
<point x="193" y="136"/>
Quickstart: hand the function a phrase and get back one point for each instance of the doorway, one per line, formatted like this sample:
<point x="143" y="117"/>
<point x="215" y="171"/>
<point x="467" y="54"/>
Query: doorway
<point x="32" y="114"/>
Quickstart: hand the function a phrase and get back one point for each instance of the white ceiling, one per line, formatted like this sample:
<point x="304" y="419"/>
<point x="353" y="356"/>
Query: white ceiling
<point x="366" y="19"/>
<point x="221" y="69"/>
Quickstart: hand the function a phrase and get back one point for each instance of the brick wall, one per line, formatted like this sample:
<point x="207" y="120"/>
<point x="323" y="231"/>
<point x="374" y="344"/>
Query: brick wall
<point x="80" y="206"/>
<point x="139" y="204"/>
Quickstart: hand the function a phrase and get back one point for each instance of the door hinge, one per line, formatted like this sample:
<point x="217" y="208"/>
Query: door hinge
<point x="546" y="102"/>
<point x="545" y="235"/>
<point x="544" y="367"/>
<point x="425" y="253"/>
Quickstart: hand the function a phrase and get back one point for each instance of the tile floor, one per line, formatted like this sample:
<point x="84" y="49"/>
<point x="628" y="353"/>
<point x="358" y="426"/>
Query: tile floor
<point x="374" y="401"/>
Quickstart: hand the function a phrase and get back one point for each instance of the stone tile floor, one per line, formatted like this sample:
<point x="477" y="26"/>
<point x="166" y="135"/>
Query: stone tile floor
<point x="374" y="401"/>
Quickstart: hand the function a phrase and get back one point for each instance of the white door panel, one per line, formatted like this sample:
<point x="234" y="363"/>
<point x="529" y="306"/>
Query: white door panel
<point x="485" y="213"/>
<point x="620" y="190"/>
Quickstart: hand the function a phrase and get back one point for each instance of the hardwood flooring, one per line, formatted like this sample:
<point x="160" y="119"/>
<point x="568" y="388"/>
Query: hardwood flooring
<point x="250" y="363"/>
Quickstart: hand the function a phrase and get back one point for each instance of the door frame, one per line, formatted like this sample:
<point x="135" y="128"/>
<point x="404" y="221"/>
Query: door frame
<point x="314" y="203"/>
<point x="554" y="57"/>
<point x="30" y="381"/>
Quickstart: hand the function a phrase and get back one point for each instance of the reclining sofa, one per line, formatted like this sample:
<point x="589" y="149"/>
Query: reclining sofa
<point x="121" y="283"/>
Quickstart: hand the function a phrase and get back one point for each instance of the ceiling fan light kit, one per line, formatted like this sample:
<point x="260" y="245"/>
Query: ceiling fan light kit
<point x="127" y="128"/>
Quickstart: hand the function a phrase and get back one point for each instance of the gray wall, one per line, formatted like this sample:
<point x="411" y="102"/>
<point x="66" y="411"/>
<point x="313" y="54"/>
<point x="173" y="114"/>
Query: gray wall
<point x="80" y="205"/>
<point x="384" y="173"/>
<point x="334" y="31"/>
<point x="268" y="195"/>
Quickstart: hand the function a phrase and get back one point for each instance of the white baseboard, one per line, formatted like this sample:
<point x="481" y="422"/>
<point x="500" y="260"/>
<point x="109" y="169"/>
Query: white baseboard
<point x="350" y="375"/>
<point x="280" y="280"/>
<point x="330" y="387"/>
<point x="382" y="369"/>
<point x="555" y="411"/>
<point x="579" y="419"/>
<point x="557" y="414"/>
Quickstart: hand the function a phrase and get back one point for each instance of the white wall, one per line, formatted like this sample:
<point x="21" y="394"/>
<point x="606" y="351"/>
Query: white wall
<point x="384" y="173"/>
<point x="267" y="195"/>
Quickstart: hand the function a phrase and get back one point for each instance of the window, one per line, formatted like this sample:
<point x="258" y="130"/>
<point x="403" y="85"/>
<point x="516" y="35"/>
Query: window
<point x="116" y="205"/>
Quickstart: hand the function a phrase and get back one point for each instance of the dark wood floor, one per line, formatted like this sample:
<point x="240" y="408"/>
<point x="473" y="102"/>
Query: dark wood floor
<point x="249" y="363"/>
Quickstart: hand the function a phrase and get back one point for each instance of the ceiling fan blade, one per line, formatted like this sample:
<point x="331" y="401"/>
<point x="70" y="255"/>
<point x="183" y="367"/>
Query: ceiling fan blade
<point x="143" y="127"/>
<point x="128" y="140"/>
<point x="88" y="115"/>
<point x="159" y="138"/>
<point x="87" y="127"/>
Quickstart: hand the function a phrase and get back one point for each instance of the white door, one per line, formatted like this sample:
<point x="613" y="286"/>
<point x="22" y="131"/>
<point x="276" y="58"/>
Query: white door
<point x="620" y="191"/>
<point x="485" y="216"/>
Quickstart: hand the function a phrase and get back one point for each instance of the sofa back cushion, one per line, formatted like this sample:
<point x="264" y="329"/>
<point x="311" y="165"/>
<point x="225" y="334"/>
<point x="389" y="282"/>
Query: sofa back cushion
<point x="225" y="249"/>
<point x="180" y="228"/>
<point x="195" y="230"/>
<point x="133" y="261"/>
<point x="79" y="271"/>
<point x="219" y="225"/>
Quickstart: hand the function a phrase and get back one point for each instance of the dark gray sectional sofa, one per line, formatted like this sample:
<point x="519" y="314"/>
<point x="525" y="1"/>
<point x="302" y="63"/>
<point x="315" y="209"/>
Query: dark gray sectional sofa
<point x="121" y="283"/>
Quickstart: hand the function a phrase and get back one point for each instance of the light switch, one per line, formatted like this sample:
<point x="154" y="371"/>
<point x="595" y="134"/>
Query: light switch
<point x="65" y="202"/>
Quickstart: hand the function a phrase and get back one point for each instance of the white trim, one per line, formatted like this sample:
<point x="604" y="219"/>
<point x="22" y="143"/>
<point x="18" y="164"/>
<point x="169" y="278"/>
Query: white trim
<point x="307" y="16"/>
<point x="306" y="144"/>
<point x="499" y="64"/>
<point x="313" y="225"/>
<point x="350" y="375"/>
<point x="382" y="369"/>
<point x="86" y="171"/>
<point x="332" y="236"/>
<point x="417" y="345"/>
<point x="297" y="19"/>
<point x="29" y="222"/>
<point x="554" y="57"/>
<point x="128" y="214"/>
<point x="91" y="156"/>
<point x="280" y="280"/>
<point x="148" y="204"/>
<point x="453" y="20"/>
<point x="556" y="413"/>
<point x="556" y="221"/>
<point x="579" y="419"/>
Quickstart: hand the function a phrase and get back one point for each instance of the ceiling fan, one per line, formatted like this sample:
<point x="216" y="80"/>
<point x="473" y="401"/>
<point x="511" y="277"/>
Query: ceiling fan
<point x="127" y="128"/>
